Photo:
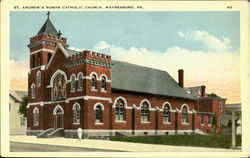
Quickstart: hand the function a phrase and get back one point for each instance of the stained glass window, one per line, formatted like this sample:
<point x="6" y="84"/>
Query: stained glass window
<point x="184" y="115"/>
<point x="38" y="78"/>
<point x="35" y="117"/>
<point x="80" y="81"/>
<point x="59" y="88"/>
<point x="76" y="113"/>
<point x="98" y="114"/>
<point x="145" y="112"/>
<point x="166" y="113"/>
<point x="93" y="82"/>
<point x="33" y="91"/>
<point x="104" y="83"/>
<point x="119" y="110"/>
<point x="73" y="83"/>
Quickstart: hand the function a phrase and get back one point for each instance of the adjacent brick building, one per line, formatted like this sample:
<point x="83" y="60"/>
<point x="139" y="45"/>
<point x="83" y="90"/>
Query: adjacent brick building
<point x="69" y="89"/>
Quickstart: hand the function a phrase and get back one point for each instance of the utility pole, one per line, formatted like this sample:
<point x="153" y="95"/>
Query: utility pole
<point x="233" y="129"/>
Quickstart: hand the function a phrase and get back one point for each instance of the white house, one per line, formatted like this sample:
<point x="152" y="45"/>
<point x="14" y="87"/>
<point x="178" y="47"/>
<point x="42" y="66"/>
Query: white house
<point x="18" y="122"/>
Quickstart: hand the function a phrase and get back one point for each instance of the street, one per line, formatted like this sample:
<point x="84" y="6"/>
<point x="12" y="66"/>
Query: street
<point x="30" y="147"/>
<point x="32" y="143"/>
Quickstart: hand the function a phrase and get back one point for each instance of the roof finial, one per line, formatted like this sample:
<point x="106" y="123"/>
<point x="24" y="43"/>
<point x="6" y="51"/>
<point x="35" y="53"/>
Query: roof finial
<point x="48" y="14"/>
<point x="59" y="34"/>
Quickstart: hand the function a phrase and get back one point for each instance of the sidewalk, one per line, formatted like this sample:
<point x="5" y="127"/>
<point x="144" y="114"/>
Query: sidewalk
<point x="112" y="145"/>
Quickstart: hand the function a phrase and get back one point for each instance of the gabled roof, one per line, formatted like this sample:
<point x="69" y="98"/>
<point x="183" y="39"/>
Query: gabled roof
<point x="48" y="28"/>
<point x="58" y="46"/>
<point x="135" y="78"/>
<point x="18" y="95"/>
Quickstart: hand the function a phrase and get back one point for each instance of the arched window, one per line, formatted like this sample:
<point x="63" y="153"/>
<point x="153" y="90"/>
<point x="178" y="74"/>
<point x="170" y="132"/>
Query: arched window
<point x="166" y="113"/>
<point x="145" y="112"/>
<point x="93" y="82"/>
<point x="59" y="88"/>
<point x="35" y="117"/>
<point x="120" y="110"/>
<point x="76" y="113"/>
<point x="104" y="83"/>
<point x="98" y="114"/>
<point x="80" y="81"/>
<point x="73" y="83"/>
<point x="33" y="90"/>
<point x="220" y="106"/>
<point x="184" y="114"/>
<point x="38" y="78"/>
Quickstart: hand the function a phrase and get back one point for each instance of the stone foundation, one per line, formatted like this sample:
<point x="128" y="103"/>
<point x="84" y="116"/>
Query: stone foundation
<point x="69" y="133"/>
<point x="34" y="132"/>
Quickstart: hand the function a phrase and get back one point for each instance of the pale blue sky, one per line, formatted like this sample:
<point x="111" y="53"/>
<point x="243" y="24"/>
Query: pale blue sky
<point x="155" y="31"/>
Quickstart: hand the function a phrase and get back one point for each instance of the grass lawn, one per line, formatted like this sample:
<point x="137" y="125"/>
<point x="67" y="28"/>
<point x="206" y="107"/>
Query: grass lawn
<point x="211" y="140"/>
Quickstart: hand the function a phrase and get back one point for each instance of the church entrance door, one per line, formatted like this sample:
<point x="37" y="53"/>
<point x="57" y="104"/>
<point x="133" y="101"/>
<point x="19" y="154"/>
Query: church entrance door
<point x="59" y="119"/>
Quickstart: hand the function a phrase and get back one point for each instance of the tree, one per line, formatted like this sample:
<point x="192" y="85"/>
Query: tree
<point x="22" y="109"/>
<point x="212" y="95"/>
<point x="214" y="124"/>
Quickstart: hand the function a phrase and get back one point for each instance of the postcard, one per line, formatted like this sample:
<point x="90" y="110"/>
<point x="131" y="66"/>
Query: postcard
<point x="125" y="78"/>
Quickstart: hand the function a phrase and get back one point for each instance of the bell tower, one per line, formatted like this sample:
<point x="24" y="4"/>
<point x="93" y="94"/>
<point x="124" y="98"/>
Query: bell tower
<point x="43" y="44"/>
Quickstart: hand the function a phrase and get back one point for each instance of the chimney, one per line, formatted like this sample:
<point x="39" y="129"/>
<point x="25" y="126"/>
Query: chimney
<point x="203" y="91"/>
<point x="180" y="77"/>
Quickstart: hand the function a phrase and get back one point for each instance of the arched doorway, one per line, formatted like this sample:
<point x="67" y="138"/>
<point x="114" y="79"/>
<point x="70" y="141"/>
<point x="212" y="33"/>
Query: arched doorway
<point x="58" y="117"/>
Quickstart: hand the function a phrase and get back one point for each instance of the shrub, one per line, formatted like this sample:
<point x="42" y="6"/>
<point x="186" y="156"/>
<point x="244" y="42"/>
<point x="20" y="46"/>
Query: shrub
<point x="213" y="140"/>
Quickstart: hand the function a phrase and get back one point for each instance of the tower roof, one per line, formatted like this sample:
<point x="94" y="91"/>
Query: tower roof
<point x="48" y="28"/>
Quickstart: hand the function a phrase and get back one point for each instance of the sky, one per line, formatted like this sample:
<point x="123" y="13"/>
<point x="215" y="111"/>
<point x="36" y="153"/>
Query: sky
<point x="205" y="44"/>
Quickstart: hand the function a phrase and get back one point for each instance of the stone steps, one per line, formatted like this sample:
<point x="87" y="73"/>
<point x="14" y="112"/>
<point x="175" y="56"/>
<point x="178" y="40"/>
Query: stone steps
<point x="51" y="133"/>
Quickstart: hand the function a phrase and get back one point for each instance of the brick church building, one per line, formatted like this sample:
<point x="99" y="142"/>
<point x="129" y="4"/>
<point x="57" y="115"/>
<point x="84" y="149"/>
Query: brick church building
<point x="68" y="89"/>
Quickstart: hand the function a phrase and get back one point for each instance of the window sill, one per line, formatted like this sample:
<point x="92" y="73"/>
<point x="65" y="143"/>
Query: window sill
<point x="119" y="121"/>
<point x="202" y="124"/>
<point x="35" y="125"/>
<point x="145" y="122"/>
<point x="98" y="123"/>
<point x="209" y="124"/>
<point x="185" y="123"/>
<point x="33" y="97"/>
<point x="94" y="90"/>
<point x="168" y="123"/>
<point x="103" y="91"/>
<point x="76" y="123"/>
<point x="72" y="91"/>
<point x="79" y="90"/>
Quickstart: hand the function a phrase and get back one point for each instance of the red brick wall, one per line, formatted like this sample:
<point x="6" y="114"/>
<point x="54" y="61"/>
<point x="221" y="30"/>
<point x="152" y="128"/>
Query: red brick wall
<point x="30" y="120"/>
<point x="205" y="105"/>
<point x="154" y="101"/>
<point x="205" y="126"/>
<point x="90" y="115"/>
<point x="218" y="113"/>
<point x="39" y="91"/>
